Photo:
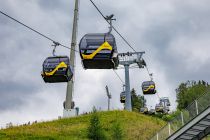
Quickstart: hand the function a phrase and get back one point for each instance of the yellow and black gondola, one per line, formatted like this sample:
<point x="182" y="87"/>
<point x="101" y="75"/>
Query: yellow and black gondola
<point x="122" y="97"/>
<point x="98" y="51"/>
<point x="144" y="110"/>
<point x="148" y="87"/>
<point x="57" y="69"/>
<point x="159" y="108"/>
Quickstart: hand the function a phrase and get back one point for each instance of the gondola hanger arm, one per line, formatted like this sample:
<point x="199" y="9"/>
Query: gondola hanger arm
<point x="151" y="76"/>
<point x="55" y="44"/>
<point x="109" y="19"/>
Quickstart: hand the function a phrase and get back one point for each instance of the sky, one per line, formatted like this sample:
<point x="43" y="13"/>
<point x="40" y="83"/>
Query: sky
<point x="174" y="34"/>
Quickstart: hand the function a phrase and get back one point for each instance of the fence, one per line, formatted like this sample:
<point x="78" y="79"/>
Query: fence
<point x="184" y="117"/>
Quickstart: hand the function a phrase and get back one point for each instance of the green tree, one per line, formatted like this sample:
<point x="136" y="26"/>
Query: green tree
<point x="143" y="100"/>
<point x="95" y="130"/>
<point x="189" y="91"/>
<point x="137" y="101"/>
<point x="117" y="131"/>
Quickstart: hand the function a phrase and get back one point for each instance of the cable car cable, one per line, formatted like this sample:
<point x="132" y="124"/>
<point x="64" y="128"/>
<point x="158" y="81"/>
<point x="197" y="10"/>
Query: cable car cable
<point x="121" y="37"/>
<point x="150" y="74"/>
<point x="59" y="44"/>
<point x="112" y="26"/>
<point x="116" y="31"/>
<point x="41" y="34"/>
<point x="158" y="95"/>
<point x="118" y="76"/>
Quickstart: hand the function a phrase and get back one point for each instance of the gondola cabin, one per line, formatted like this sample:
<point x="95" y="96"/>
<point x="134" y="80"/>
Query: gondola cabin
<point x="168" y="104"/>
<point x="159" y="108"/>
<point x="148" y="87"/>
<point x="98" y="51"/>
<point x="166" y="101"/>
<point x="122" y="97"/>
<point x="144" y="110"/>
<point x="57" y="69"/>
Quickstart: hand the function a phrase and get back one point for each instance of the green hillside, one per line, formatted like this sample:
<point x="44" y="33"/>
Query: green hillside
<point x="134" y="125"/>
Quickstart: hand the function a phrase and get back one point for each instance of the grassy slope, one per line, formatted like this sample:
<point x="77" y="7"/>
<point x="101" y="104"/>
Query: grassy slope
<point x="135" y="126"/>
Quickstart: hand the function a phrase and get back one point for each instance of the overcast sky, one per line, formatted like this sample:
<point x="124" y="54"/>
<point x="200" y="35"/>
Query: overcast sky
<point x="174" y="34"/>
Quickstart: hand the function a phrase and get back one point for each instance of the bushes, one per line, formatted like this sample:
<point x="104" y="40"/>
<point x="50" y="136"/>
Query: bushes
<point x="168" y="117"/>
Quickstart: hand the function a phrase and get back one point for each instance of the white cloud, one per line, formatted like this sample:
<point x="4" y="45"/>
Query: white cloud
<point x="193" y="50"/>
